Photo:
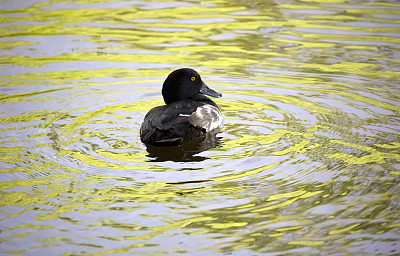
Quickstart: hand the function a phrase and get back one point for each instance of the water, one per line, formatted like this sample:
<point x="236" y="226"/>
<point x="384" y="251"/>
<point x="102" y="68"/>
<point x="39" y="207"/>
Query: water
<point x="308" y="158"/>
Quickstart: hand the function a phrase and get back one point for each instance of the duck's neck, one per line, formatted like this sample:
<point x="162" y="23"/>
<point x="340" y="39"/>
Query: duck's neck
<point x="204" y="99"/>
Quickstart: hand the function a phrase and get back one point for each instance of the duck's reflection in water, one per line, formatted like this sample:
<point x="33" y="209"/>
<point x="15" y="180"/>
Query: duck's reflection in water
<point x="186" y="152"/>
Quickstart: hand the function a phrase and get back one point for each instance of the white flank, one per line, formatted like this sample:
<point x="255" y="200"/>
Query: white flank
<point x="207" y="117"/>
<point x="184" y="115"/>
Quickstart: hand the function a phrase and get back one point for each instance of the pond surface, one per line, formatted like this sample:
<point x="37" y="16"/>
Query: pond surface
<point x="308" y="159"/>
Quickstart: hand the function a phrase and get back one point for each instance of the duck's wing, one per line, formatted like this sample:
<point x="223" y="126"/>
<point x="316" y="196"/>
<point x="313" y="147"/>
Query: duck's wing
<point x="169" y="125"/>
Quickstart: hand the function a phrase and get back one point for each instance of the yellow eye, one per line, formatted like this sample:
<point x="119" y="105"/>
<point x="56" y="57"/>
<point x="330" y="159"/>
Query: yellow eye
<point x="193" y="78"/>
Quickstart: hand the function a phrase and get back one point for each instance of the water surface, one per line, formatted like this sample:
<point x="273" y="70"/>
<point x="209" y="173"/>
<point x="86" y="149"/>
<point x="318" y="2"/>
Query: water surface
<point x="308" y="159"/>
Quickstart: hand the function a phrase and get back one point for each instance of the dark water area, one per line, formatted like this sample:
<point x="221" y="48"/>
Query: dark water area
<point x="307" y="161"/>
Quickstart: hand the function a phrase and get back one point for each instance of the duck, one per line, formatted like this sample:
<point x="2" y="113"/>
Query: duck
<point x="187" y="114"/>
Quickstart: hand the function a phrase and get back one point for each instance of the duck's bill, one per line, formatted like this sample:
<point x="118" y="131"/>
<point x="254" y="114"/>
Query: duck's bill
<point x="208" y="91"/>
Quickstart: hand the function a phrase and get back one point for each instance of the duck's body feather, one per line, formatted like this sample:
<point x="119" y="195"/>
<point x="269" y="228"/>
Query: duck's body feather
<point x="178" y="122"/>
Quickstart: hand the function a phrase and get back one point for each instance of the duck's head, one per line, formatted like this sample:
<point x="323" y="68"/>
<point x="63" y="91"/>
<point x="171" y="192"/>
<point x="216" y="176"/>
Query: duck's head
<point x="183" y="84"/>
